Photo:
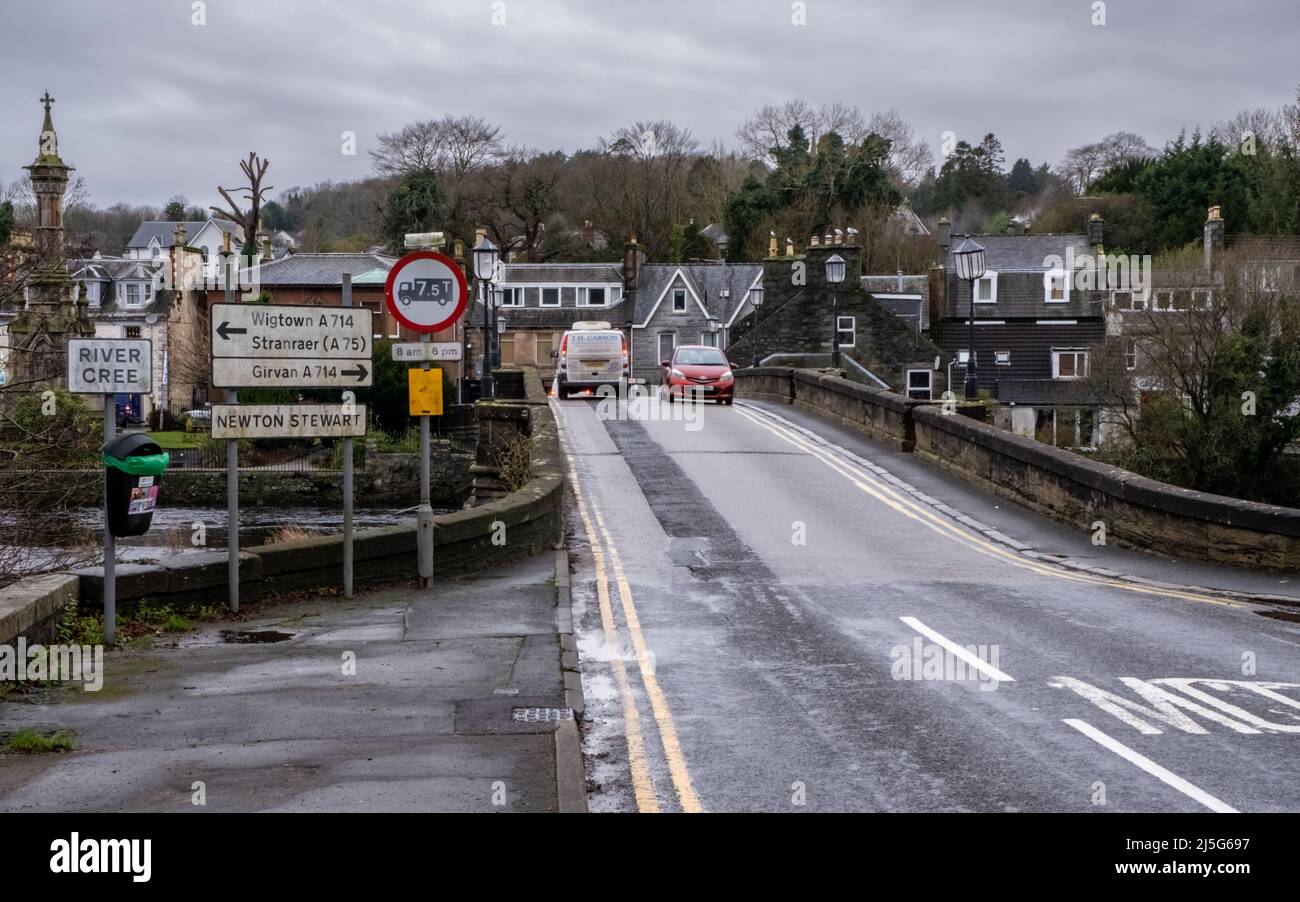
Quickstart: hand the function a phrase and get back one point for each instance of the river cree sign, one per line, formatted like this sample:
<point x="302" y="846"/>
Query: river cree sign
<point x="108" y="366"/>
<point x="278" y="346"/>
<point x="288" y="421"/>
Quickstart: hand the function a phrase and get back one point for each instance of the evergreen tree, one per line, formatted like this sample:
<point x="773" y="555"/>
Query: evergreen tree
<point x="416" y="204"/>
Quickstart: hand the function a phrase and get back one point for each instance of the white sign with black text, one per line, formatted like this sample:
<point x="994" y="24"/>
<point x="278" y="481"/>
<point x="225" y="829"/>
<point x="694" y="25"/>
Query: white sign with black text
<point x="109" y="366"/>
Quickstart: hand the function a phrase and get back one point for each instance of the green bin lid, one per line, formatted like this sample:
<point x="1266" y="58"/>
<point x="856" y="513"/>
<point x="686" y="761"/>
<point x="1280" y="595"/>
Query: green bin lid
<point x="139" y="465"/>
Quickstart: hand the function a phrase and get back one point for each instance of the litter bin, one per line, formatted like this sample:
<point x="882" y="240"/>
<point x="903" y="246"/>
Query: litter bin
<point x="133" y="468"/>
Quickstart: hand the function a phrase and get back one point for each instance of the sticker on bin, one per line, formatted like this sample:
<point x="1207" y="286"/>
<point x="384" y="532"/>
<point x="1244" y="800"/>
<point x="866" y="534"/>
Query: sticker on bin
<point x="143" y="500"/>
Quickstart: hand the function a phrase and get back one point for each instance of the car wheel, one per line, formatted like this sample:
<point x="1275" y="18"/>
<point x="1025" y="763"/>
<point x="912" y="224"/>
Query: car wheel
<point x="728" y="402"/>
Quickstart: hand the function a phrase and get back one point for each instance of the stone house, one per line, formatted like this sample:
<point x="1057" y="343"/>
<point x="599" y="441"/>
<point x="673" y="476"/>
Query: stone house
<point x="154" y="240"/>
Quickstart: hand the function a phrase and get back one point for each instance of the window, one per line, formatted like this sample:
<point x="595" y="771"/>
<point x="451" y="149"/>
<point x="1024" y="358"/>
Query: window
<point x="1202" y="299"/>
<point x="155" y="252"/>
<point x="134" y="297"/>
<point x="1127" y="300"/>
<point x="615" y="294"/>
<point x="131" y="331"/>
<point x="1164" y="301"/>
<point x="1070" y="363"/>
<point x="667" y="343"/>
<point x="709" y="339"/>
<point x="550" y="297"/>
<point x="1002" y="358"/>
<point x="679" y="300"/>
<point x="920" y="384"/>
<point x="92" y="293"/>
<point x="963" y="356"/>
<point x="846" y="331"/>
<point x="986" y="289"/>
<point x="1130" y="354"/>
<point x="591" y="297"/>
<point x="545" y="344"/>
<point x="1056" y="287"/>
<point x="512" y="297"/>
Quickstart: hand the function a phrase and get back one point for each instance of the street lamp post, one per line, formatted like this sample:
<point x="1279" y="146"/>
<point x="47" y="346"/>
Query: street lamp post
<point x="498" y="298"/>
<point x="835" y="275"/>
<point x="486" y="258"/>
<point x="756" y="298"/>
<point x="969" y="258"/>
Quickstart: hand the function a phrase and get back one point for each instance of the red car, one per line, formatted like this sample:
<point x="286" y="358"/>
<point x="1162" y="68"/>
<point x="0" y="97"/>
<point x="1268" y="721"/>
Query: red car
<point x="699" y="371"/>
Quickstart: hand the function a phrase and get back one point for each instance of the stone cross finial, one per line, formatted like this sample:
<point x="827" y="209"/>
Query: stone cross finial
<point x="47" y="100"/>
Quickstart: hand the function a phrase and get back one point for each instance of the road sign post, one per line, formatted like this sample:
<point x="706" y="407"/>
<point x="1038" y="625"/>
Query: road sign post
<point x="426" y="292"/>
<point x="109" y="367"/>
<point x="232" y="469"/>
<point x="349" y="401"/>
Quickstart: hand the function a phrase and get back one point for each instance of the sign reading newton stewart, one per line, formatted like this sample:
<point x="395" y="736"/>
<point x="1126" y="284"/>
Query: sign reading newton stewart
<point x="290" y="346"/>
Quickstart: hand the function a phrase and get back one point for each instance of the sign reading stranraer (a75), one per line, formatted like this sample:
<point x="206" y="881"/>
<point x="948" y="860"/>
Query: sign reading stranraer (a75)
<point x="278" y="346"/>
<point x="109" y="366"/>
<point x="288" y="421"/>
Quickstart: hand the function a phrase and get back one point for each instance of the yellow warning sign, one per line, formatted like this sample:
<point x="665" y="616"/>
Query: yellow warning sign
<point x="425" y="392"/>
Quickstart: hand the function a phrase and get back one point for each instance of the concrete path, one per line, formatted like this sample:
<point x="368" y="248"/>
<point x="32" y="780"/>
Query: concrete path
<point x="424" y="722"/>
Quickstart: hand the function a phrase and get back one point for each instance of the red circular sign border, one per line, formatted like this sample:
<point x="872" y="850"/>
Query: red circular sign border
<point x="426" y="255"/>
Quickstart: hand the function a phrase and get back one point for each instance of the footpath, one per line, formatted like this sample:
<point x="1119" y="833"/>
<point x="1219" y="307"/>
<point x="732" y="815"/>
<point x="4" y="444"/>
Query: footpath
<point x="459" y="698"/>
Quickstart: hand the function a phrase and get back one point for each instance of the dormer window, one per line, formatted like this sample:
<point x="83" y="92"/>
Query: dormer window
<point x="1056" y="286"/>
<point x="679" y="300"/>
<point x="135" y="294"/>
<point x="986" y="289"/>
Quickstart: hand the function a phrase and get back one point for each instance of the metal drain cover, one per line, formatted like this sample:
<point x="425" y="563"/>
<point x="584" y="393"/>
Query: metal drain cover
<point x="540" y="715"/>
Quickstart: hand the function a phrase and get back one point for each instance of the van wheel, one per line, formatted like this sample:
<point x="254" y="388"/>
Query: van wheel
<point x="561" y="391"/>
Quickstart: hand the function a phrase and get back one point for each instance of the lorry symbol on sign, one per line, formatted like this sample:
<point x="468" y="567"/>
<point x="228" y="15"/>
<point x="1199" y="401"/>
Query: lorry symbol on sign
<point x="438" y="290"/>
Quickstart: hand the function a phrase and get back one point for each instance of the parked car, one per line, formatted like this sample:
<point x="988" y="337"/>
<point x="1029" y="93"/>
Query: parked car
<point x="590" y="355"/>
<point x="198" y="419"/>
<point x="698" y="371"/>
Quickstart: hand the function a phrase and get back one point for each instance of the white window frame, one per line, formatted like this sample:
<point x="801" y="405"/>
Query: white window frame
<point x="682" y="294"/>
<point x="964" y="355"/>
<point x="1049" y="277"/>
<point x="1137" y="300"/>
<point x="1076" y="353"/>
<point x="659" y="346"/>
<point x="614" y="293"/>
<point x="992" y="278"/>
<point x="584" y="293"/>
<point x="514" y="296"/>
<point x="709" y="339"/>
<point x="1002" y="358"/>
<point x="126" y="294"/>
<point x="1130" y="354"/>
<point x="929" y="386"/>
<point x="541" y="296"/>
<point x="852" y="329"/>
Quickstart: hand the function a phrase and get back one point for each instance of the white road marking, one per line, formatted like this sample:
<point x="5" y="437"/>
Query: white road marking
<point x="1164" y="776"/>
<point x="971" y="659"/>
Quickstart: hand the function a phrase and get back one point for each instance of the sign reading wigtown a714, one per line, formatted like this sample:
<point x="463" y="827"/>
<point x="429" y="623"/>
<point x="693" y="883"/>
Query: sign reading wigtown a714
<point x="276" y="345"/>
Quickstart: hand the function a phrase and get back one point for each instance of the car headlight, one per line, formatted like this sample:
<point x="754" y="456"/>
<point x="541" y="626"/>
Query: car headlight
<point x="676" y="374"/>
<point x="726" y="376"/>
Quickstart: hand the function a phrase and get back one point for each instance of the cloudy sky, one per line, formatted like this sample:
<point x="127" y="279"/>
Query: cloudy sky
<point x="151" y="104"/>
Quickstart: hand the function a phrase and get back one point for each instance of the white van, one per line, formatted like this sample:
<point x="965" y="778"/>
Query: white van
<point x="590" y="355"/>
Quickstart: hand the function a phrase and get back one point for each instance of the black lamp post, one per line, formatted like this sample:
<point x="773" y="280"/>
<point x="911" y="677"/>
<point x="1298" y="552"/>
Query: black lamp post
<point x="756" y="298"/>
<point x="969" y="258"/>
<point x="486" y="257"/>
<point x="835" y="275"/>
<point x="498" y="298"/>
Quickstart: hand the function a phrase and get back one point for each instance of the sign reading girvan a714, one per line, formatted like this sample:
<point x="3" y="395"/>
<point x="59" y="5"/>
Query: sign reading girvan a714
<point x="275" y="345"/>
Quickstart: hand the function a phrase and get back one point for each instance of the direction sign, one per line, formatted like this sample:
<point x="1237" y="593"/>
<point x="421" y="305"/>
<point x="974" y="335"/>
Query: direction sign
<point x="274" y="330"/>
<point x="426" y="291"/>
<point x="281" y="346"/>
<point x="290" y="372"/>
<point x="420" y="351"/>
<point x="288" y="420"/>
<point x="109" y="366"/>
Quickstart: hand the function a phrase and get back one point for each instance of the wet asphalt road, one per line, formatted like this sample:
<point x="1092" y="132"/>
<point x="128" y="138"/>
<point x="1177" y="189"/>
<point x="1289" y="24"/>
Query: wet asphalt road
<point x="769" y="624"/>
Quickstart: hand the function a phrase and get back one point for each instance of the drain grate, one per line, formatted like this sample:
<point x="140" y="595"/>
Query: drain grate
<point x="540" y="715"/>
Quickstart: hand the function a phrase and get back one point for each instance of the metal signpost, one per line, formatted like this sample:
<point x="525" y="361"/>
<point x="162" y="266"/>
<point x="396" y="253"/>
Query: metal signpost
<point x="426" y="292"/>
<point x="109" y="367"/>
<point x="282" y="346"/>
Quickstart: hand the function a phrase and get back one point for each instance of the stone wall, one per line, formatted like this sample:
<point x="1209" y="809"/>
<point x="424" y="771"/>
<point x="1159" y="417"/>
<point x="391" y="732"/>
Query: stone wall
<point x="1138" y="512"/>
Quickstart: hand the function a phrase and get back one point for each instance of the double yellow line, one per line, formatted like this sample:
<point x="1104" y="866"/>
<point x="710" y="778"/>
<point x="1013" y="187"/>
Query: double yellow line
<point x="915" y="510"/>
<point x="605" y="554"/>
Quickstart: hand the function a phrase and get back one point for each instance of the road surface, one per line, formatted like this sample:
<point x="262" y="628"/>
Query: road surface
<point x="777" y="615"/>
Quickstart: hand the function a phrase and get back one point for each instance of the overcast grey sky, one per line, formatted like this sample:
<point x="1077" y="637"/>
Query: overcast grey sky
<point x="150" y="105"/>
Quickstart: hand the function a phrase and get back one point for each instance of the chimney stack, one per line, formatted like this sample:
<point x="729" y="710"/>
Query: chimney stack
<point x="943" y="238"/>
<point x="789" y="247"/>
<point x="1011" y="227"/>
<point x="631" y="265"/>
<point x="1214" y="227"/>
<point x="771" y="244"/>
<point x="1096" y="231"/>
<point x="588" y="233"/>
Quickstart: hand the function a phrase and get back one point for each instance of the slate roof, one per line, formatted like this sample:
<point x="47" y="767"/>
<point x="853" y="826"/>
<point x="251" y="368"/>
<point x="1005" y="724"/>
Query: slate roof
<point x="563" y="273"/>
<point x="163" y="231"/>
<point x="1049" y="392"/>
<point x="320" y="270"/>
<point x="1021" y="253"/>
<point x="707" y="279"/>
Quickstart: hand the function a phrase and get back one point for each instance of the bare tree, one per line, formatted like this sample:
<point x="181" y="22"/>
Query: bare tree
<point x="1084" y="164"/>
<point x="450" y="146"/>
<point x="254" y="192"/>
<point x="909" y="157"/>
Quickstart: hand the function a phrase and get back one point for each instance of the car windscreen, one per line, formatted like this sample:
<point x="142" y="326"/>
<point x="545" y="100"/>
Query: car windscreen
<point x="700" y="357"/>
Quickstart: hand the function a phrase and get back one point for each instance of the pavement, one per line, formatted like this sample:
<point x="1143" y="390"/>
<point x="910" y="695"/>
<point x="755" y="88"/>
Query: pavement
<point x="776" y="614"/>
<point x="397" y="700"/>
